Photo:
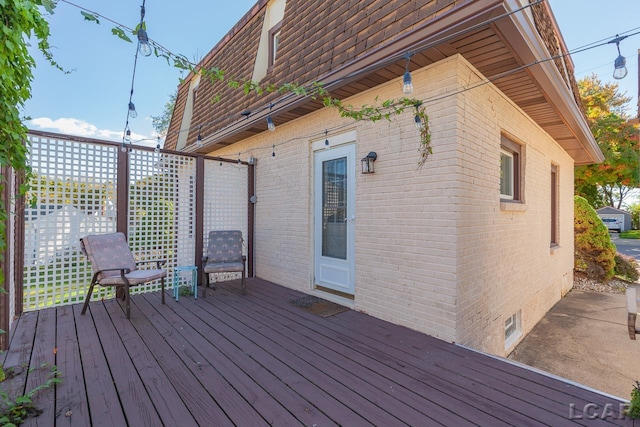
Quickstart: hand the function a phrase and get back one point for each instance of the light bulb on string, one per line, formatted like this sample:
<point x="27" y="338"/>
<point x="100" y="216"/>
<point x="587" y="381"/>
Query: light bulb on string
<point x="199" y="138"/>
<point x="132" y="110"/>
<point x="270" y="125"/>
<point x="419" y="124"/>
<point x="620" y="64"/>
<point x="407" y="83"/>
<point x="143" y="43"/>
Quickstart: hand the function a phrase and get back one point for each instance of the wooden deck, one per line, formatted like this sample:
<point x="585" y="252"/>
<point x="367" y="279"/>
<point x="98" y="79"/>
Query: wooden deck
<point x="257" y="360"/>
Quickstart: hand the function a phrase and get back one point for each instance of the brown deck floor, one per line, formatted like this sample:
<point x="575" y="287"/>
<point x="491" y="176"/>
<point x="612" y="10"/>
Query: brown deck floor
<point x="255" y="359"/>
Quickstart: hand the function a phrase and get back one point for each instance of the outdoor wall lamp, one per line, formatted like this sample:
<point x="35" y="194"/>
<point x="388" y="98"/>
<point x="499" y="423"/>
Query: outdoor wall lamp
<point x="620" y="64"/>
<point x="367" y="162"/>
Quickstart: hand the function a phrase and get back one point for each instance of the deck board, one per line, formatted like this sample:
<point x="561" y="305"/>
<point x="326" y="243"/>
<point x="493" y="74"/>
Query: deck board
<point x="71" y="408"/>
<point x="42" y="362"/>
<point x="190" y="366"/>
<point x="256" y="359"/>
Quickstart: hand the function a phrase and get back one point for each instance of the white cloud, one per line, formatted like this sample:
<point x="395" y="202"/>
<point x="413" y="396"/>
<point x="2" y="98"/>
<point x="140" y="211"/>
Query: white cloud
<point x="77" y="127"/>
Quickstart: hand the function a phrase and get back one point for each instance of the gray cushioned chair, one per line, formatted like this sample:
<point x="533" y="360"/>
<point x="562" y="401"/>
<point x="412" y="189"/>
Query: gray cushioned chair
<point x="113" y="265"/>
<point x="224" y="254"/>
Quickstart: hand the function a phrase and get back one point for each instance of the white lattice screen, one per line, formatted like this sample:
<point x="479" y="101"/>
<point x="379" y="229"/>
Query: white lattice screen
<point x="74" y="191"/>
<point x="75" y="186"/>
<point x="162" y="211"/>
<point x="225" y="203"/>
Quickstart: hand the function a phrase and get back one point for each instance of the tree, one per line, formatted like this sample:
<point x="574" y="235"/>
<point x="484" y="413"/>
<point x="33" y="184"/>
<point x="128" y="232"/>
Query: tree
<point x="612" y="181"/>
<point x="161" y="123"/>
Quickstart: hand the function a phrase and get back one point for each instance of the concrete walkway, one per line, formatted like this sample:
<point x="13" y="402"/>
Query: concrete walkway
<point x="584" y="338"/>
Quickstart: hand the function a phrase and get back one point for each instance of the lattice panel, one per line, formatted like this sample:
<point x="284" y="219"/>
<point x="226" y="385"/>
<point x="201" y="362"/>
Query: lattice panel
<point x="74" y="188"/>
<point x="162" y="211"/>
<point x="225" y="203"/>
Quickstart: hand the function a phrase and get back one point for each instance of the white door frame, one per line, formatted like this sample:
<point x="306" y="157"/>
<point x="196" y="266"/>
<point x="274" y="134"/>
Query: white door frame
<point x="333" y="272"/>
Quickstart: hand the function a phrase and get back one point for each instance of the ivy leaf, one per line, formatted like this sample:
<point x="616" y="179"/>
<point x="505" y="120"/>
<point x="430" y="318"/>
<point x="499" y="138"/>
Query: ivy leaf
<point x="119" y="32"/>
<point x="49" y="5"/>
<point x="90" y="17"/>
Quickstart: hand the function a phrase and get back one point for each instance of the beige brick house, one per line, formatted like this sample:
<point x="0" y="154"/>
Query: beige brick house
<point x="473" y="247"/>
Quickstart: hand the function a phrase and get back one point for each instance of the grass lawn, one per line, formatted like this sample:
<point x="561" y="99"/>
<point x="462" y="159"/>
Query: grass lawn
<point x="630" y="234"/>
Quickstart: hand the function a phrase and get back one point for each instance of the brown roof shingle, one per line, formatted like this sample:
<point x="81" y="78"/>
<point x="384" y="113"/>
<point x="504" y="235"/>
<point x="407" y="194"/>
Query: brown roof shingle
<point x="316" y="38"/>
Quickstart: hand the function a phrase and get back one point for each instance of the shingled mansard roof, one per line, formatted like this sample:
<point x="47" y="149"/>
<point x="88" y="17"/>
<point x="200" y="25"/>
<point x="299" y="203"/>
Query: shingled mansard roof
<point x="354" y="45"/>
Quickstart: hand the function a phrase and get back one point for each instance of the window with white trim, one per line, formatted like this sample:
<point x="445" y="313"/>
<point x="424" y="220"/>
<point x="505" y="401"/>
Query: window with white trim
<point x="274" y="42"/>
<point x="269" y="44"/>
<point x="510" y="167"/>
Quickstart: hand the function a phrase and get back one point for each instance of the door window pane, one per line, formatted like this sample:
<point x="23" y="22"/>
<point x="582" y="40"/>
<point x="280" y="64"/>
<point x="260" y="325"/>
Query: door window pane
<point x="334" y="208"/>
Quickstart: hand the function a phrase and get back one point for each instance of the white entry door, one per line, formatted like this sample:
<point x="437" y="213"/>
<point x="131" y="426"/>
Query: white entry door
<point x="334" y="218"/>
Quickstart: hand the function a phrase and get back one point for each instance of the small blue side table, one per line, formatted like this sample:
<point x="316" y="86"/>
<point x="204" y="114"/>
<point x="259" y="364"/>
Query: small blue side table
<point x="176" y="280"/>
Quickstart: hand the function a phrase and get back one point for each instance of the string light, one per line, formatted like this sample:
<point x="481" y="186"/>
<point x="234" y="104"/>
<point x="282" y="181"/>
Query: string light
<point x="407" y="84"/>
<point x="408" y="55"/>
<point x="620" y="64"/>
<point x="143" y="38"/>
<point x="417" y="119"/>
<point x="270" y="125"/>
<point x="132" y="110"/>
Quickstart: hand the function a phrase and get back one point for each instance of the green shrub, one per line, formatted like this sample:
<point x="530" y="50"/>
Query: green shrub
<point x="594" y="252"/>
<point x="633" y="411"/>
<point x="626" y="267"/>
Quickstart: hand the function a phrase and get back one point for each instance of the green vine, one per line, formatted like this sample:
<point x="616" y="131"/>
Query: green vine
<point x="15" y="410"/>
<point x="386" y="110"/>
<point x="19" y="21"/>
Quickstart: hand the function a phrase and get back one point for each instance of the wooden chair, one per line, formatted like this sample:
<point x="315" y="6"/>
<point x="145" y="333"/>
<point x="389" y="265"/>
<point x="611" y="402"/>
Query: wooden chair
<point x="224" y="254"/>
<point x="633" y="307"/>
<point x="113" y="265"/>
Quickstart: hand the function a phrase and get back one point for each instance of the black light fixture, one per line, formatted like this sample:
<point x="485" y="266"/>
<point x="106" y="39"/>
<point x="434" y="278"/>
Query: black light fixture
<point x="270" y="125"/>
<point x="620" y="64"/>
<point x="132" y="110"/>
<point x="407" y="84"/>
<point x="367" y="162"/>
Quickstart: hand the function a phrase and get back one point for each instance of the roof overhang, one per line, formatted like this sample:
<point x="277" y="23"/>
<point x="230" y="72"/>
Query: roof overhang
<point x="493" y="37"/>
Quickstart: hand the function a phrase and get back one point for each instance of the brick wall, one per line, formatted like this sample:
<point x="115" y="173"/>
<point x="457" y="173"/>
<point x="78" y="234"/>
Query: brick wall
<point x="434" y="250"/>
<point x="505" y="260"/>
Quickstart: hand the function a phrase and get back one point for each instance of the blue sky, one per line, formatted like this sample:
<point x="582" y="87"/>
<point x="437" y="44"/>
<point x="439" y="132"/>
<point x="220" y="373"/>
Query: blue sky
<point x="92" y="99"/>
